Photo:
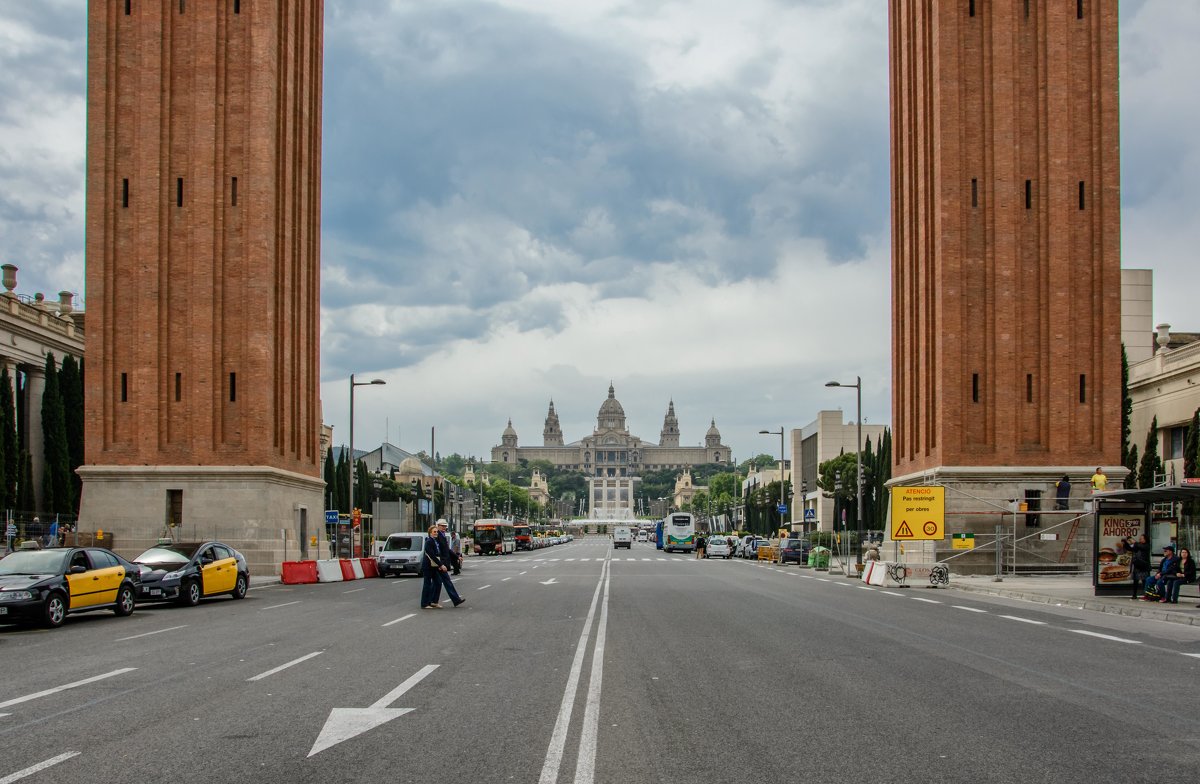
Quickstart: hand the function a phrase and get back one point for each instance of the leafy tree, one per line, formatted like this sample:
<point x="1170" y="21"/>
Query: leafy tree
<point x="1151" y="464"/>
<point x="57" y="491"/>
<point x="836" y="477"/>
<point x="1126" y="408"/>
<point x="70" y="380"/>
<point x="725" y="482"/>
<point x="9" y="451"/>
<point x="1191" y="447"/>
<point x="758" y="463"/>
<point x="454" y="464"/>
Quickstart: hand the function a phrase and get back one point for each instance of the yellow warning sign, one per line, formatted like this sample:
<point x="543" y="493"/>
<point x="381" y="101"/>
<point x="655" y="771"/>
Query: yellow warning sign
<point x="918" y="513"/>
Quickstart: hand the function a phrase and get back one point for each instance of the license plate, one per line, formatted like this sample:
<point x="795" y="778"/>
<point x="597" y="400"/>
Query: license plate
<point x="155" y="592"/>
<point x="3" y="611"/>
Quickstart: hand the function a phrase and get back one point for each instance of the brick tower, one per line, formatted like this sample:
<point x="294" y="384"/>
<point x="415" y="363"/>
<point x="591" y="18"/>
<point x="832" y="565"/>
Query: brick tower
<point x="1006" y="280"/>
<point x="203" y="237"/>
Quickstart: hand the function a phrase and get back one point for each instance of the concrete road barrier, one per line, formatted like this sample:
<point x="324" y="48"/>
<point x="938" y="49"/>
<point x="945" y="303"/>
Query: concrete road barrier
<point x="329" y="571"/>
<point x="298" y="572"/>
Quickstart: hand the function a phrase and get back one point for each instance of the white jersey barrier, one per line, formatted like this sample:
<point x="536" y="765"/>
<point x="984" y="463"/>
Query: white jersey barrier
<point x="897" y="574"/>
<point x="329" y="571"/>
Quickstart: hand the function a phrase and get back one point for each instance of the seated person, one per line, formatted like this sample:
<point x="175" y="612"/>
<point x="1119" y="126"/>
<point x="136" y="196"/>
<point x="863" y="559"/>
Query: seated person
<point x="1156" y="582"/>
<point x="1184" y="572"/>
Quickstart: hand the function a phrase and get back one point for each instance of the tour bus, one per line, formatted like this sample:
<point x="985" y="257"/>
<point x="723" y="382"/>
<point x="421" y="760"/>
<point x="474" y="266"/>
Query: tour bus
<point x="679" y="532"/>
<point x="494" y="537"/>
<point x="524" y="536"/>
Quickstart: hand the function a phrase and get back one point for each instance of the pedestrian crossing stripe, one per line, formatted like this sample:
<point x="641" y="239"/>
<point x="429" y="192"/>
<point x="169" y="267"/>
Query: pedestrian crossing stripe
<point x="903" y="532"/>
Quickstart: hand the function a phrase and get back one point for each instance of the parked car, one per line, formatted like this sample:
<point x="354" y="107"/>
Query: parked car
<point x="753" y="545"/>
<point x="718" y="547"/>
<point x="187" y="572"/>
<point x="402" y="554"/>
<point x="744" y="546"/>
<point x="793" y="551"/>
<point x="44" y="585"/>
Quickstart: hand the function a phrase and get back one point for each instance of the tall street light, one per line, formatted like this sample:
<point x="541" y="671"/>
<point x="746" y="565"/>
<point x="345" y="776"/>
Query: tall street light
<point x="857" y="385"/>
<point x="782" y="462"/>
<point x="353" y="463"/>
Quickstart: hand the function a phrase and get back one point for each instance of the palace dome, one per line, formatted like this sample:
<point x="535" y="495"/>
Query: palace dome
<point x="612" y="415"/>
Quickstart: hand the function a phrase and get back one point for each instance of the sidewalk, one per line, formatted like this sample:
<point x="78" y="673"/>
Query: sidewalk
<point x="1077" y="591"/>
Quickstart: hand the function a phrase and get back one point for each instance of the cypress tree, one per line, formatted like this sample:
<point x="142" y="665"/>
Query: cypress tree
<point x="1131" y="464"/>
<point x="362" y="483"/>
<point x="1191" y="447"/>
<point x="25" y="498"/>
<point x="1151" y="464"/>
<point x="70" y="383"/>
<point x="330" y="469"/>
<point x="56" y="480"/>
<point x="343" y="476"/>
<point x="1126" y="408"/>
<point x="10" y="452"/>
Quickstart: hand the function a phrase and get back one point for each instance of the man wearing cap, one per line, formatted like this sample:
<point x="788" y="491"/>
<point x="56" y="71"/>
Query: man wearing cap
<point x="450" y="559"/>
<point x="1156" y="583"/>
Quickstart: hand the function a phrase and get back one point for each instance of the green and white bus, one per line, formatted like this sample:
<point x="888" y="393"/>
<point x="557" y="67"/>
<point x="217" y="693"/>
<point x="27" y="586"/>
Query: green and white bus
<point x="679" y="532"/>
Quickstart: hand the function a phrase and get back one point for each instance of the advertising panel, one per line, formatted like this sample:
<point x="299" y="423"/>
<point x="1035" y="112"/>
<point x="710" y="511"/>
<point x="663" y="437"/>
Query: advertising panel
<point x="1113" y="567"/>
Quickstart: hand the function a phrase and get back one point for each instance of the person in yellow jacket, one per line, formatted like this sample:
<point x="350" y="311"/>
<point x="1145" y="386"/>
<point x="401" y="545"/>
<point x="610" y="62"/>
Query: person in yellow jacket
<point x="1099" y="481"/>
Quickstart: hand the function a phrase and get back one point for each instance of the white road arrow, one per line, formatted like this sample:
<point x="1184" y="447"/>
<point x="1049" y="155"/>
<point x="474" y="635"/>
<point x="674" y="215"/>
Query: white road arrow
<point x="346" y="723"/>
<point x="548" y="582"/>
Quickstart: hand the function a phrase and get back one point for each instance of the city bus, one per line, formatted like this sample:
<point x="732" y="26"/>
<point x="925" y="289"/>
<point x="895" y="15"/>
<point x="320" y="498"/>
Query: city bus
<point x="524" y="536"/>
<point x="679" y="532"/>
<point x="494" y="537"/>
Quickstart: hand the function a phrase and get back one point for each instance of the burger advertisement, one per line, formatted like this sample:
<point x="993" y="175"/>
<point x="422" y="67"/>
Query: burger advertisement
<point x="1114" y="566"/>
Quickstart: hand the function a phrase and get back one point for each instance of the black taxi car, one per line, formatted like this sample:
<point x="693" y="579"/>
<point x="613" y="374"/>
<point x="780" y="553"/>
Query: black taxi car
<point x="44" y="585"/>
<point x="187" y="572"/>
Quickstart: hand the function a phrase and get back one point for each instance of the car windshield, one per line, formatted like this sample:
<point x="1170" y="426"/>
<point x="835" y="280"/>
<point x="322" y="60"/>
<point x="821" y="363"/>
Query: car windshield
<point x="166" y="556"/>
<point x="402" y="543"/>
<point x="487" y="535"/>
<point x="793" y="544"/>
<point x="34" y="562"/>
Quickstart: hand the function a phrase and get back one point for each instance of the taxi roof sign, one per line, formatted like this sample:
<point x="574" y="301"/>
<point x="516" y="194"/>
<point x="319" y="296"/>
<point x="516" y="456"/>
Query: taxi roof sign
<point x="919" y="513"/>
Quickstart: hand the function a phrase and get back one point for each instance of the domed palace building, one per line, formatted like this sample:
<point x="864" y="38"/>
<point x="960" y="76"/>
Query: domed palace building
<point x="611" y="454"/>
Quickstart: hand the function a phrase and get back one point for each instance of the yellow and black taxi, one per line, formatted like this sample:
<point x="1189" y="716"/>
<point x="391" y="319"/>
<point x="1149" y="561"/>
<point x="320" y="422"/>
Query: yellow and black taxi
<point x="44" y="585"/>
<point x="187" y="572"/>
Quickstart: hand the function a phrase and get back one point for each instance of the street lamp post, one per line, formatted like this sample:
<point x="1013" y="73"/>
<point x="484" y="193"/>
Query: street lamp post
<point x="857" y="452"/>
<point x="353" y="463"/>
<point x="782" y="463"/>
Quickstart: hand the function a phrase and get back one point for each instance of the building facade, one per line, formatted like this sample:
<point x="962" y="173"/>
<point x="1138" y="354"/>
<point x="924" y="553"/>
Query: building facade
<point x="203" y="242"/>
<point x="823" y="439"/>
<point x="611" y="451"/>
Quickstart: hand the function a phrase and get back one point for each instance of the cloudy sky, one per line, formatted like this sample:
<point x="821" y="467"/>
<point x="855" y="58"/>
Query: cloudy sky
<point x="526" y="199"/>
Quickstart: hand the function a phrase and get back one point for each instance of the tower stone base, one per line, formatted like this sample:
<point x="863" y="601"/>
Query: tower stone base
<point x="266" y="513"/>
<point x="979" y="498"/>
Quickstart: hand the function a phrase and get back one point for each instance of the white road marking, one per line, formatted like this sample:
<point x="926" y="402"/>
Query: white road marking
<point x="968" y="609"/>
<point x="57" y="689"/>
<point x="398" y="620"/>
<point x="480" y="588"/>
<point x="277" y="606"/>
<point x="587" y="559"/>
<point x="20" y="774"/>
<point x="843" y="585"/>
<point x="865" y="588"/>
<point x="570" y="559"/>
<point x="505" y="579"/>
<point x="522" y="573"/>
<point x="662" y="559"/>
<point x="1024" y="620"/>
<point x="1193" y="655"/>
<point x="147" y="634"/>
<point x="282" y="667"/>
<point x="398" y="692"/>
<point x="1105" y="636"/>
<point x="346" y="723"/>
<point x="808" y="577"/>
<point x="892" y="593"/>
<point x="558" y="739"/>
<point x="585" y="761"/>
<point x="822" y="579"/>
<point x="647" y="559"/>
<point x="927" y="601"/>
<point x="354" y="590"/>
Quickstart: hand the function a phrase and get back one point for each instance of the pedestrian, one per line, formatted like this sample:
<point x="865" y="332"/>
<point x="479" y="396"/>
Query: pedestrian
<point x="1185" y="573"/>
<point x="1099" y="481"/>
<point x="1062" y="493"/>
<point x="431" y="572"/>
<point x="52" y="534"/>
<point x="1156" y="583"/>
<point x="1139" y="553"/>
<point x="700" y="545"/>
<point x="456" y="550"/>
<point x="449" y="562"/>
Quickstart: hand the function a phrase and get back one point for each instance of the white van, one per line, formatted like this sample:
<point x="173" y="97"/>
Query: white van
<point x="622" y="537"/>
<point x="402" y="554"/>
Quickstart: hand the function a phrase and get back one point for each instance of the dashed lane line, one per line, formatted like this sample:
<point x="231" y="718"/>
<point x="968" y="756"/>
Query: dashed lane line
<point x="398" y="620"/>
<point x="20" y="774"/>
<point x="147" y="634"/>
<point x="283" y="667"/>
<point x="968" y="609"/>
<point x="1023" y="620"/>
<point x="354" y="590"/>
<point x="277" y="606"/>
<point x="56" y="689"/>
<point x="891" y="593"/>
<point x="927" y="601"/>
<point x="480" y="588"/>
<point x="505" y="579"/>
<point x="1105" y="636"/>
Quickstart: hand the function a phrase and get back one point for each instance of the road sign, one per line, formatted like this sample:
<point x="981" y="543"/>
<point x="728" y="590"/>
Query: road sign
<point x="782" y="509"/>
<point x="331" y="515"/>
<point x="963" y="541"/>
<point x="810" y="515"/>
<point x="918" y="513"/>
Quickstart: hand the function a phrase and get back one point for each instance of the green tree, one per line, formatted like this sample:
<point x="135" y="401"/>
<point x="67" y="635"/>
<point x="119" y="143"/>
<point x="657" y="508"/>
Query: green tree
<point x="1151" y="464"/>
<point x="758" y="463"/>
<point x="343" y="482"/>
<point x="70" y="380"/>
<point x="836" y="477"/>
<point x="9" y="451"/>
<point x="1191" y="447"/>
<point x="25" y="499"/>
<point x="1126" y="409"/>
<point x="364" y="487"/>
<point x="57" y="491"/>
<point x="330" y="478"/>
<point x="1131" y="463"/>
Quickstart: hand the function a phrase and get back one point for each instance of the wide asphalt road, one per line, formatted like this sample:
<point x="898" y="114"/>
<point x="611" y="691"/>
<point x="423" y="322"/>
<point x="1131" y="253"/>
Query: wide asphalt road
<point x="584" y="664"/>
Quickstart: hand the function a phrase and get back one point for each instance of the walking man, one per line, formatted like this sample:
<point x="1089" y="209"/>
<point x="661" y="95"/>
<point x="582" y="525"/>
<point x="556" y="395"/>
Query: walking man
<point x="449" y="562"/>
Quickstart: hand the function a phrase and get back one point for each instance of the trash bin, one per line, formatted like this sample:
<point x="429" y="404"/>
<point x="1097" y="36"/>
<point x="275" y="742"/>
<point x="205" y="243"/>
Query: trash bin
<point x="820" y="557"/>
<point x="812" y="557"/>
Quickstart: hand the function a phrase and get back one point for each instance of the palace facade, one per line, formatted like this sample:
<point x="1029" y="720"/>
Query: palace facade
<point x="611" y="451"/>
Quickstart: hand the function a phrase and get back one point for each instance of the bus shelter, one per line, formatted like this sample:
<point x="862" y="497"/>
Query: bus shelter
<point x="1129" y="513"/>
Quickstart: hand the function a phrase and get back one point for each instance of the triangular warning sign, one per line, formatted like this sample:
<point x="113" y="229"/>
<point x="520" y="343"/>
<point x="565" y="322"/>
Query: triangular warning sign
<point x="903" y="532"/>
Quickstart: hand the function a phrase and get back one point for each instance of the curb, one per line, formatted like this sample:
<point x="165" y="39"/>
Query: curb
<point x="1133" y="610"/>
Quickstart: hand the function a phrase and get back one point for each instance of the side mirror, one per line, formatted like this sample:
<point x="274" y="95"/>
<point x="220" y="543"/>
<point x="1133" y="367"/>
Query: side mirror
<point x="78" y="569"/>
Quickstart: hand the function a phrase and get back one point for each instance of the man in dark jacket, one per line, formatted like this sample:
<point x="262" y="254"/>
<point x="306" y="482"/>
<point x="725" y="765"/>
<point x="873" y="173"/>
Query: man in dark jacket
<point x="1157" y="582"/>
<point x="450" y="561"/>
<point x="1062" y="493"/>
